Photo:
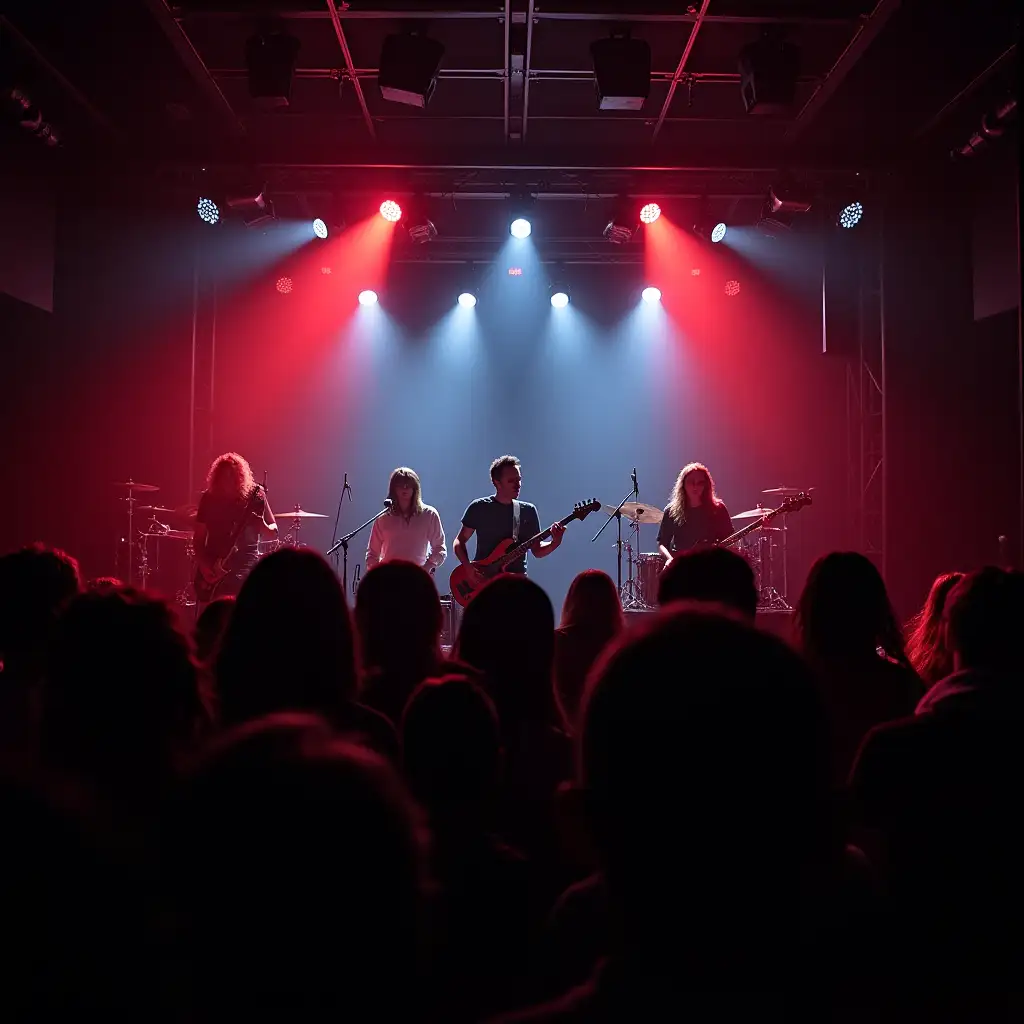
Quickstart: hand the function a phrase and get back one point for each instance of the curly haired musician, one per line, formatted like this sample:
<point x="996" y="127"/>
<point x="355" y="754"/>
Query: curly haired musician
<point x="223" y="509"/>
<point x="694" y="514"/>
<point x="492" y="518"/>
<point x="411" y="531"/>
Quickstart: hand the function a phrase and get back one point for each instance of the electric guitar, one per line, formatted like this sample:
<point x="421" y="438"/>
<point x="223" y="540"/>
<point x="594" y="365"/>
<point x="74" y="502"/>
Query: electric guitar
<point x="462" y="584"/>
<point x="793" y="504"/>
<point x="206" y="582"/>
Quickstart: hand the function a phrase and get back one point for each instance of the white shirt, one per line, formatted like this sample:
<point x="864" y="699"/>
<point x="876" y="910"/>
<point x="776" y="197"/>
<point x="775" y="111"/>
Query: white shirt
<point x="418" y="539"/>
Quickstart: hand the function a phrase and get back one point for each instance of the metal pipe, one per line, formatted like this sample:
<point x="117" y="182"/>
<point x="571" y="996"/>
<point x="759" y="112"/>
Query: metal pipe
<point x="506" y="70"/>
<point x="192" y="387"/>
<point x="526" y="67"/>
<point x="854" y="50"/>
<point x="189" y="56"/>
<point x="350" y="65"/>
<point x="680" y="67"/>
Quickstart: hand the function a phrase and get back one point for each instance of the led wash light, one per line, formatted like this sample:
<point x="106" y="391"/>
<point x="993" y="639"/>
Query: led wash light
<point x="651" y="294"/>
<point x="560" y="300"/>
<point x="520" y="228"/>
<point x="718" y="232"/>
<point x="390" y="211"/>
<point x="850" y="215"/>
<point x="368" y="297"/>
<point x="207" y="210"/>
<point x="319" y="228"/>
<point x="467" y="300"/>
<point x="649" y="213"/>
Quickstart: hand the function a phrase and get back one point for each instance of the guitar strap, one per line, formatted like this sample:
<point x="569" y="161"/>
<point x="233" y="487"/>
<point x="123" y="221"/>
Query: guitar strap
<point x="515" y="522"/>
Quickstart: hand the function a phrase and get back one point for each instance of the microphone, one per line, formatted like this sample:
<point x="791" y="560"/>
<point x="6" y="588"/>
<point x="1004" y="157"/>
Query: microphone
<point x="346" y="488"/>
<point x="636" y="490"/>
<point x="388" y="503"/>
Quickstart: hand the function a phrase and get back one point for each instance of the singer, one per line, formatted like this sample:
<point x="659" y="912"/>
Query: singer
<point x="410" y="531"/>
<point x="695" y="514"/>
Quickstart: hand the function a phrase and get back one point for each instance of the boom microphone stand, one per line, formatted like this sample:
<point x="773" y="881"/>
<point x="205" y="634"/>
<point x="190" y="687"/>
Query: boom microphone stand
<point x="616" y="515"/>
<point x="343" y="543"/>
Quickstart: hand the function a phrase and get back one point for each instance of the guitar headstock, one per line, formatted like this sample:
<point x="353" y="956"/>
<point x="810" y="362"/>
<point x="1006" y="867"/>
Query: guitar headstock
<point x="796" y="502"/>
<point x="582" y="509"/>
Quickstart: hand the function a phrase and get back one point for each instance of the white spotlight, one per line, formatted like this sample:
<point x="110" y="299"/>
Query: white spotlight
<point x="367" y="298"/>
<point x="467" y="300"/>
<point x="520" y="228"/>
<point x="559" y="300"/>
<point x="319" y="228"/>
<point x="718" y="232"/>
<point x="651" y="294"/>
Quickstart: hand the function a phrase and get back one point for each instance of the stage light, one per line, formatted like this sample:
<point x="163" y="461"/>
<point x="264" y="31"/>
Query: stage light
<point x="408" y="68"/>
<point x="367" y="297"/>
<point x="732" y="288"/>
<point x="649" y="213"/>
<point x="651" y="294"/>
<point x="520" y="228"/>
<point x="270" y="60"/>
<point x="850" y="215"/>
<point x="515" y="271"/>
<point x="718" y="232"/>
<point x="325" y="271"/>
<point x="559" y="300"/>
<point x="390" y="210"/>
<point x="253" y="209"/>
<point x="769" y="69"/>
<point x="622" y="72"/>
<point x="208" y="212"/>
<point x="467" y="300"/>
<point x="284" y="285"/>
<point x="319" y="228"/>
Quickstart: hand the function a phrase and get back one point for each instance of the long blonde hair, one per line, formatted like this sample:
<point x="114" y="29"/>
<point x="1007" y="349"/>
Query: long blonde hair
<point x="678" y="505"/>
<point x="405" y="475"/>
<point x="241" y="481"/>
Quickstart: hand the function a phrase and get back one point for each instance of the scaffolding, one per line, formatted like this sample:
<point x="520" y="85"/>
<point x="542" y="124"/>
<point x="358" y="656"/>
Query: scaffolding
<point x="201" y="391"/>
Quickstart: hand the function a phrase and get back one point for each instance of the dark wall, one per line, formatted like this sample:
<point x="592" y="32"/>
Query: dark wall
<point x="953" y="391"/>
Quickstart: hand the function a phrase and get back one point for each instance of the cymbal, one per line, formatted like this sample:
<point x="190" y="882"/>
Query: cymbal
<point x="636" y="512"/>
<point x="753" y="513"/>
<point x="156" y="508"/>
<point x="132" y="485"/>
<point x="787" y="492"/>
<point x="170" y="534"/>
<point x="300" y="514"/>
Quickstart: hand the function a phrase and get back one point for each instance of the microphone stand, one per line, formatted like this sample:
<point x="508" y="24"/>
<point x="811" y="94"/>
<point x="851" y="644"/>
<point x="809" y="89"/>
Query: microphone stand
<point x="343" y="544"/>
<point x="616" y="515"/>
<point x="345" y="489"/>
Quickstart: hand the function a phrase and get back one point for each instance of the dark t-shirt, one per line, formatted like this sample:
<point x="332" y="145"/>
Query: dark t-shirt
<point x="492" y="522"/>
<point x="705" y="523"/>
<point x="221" y="517"/>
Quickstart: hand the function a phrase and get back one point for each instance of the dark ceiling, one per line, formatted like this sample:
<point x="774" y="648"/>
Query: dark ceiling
<point x="163" y="86"/>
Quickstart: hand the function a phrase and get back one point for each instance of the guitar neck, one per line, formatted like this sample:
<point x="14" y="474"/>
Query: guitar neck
<point x="521" y="548"/>
<point x="734" y="538"/>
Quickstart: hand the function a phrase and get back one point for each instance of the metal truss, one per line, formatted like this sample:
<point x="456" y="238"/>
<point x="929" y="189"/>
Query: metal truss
<point x="202" y="390"/>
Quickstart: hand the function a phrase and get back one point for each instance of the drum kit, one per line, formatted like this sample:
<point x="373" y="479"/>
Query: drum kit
<point x="174" y="528"/>
<point x="766" y="549"/>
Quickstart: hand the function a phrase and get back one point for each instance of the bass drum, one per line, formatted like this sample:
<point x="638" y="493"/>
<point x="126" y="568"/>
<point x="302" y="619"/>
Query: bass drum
<point x="648" y="572"/>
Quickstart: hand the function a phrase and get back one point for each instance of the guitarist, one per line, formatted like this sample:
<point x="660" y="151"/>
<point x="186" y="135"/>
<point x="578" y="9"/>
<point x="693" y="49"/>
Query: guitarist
<point x="694" y="515"/>
<point x="230" y="493"/>
<point x="492" y="519"/>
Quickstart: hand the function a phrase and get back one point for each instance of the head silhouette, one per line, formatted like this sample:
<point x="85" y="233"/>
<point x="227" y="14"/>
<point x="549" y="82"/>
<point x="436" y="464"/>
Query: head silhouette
<point x="710" y="574"/>
<point x="289" y="644"/>
<point x="983" y="616"/>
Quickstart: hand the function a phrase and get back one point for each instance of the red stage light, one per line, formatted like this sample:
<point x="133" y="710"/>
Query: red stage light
<point x="390" y="210"/>
<point x="284" y="285"/>
<point x="649" y="213"/>
<point x="732" y="288"/>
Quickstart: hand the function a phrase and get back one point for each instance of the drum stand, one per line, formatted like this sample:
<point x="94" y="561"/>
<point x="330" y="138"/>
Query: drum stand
<point x="769" y="598"/>
<point x="630" y="593"/>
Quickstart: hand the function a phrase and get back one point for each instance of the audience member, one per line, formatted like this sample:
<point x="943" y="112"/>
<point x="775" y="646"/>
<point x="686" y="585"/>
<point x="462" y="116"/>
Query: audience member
<point x="591" y="619"/>
<point x="847" y="629"/>
<point x="398" y="616"/>
<point x="927" y="650"/>
<point x="710" y="574"/>
<point x="290" y="646"/>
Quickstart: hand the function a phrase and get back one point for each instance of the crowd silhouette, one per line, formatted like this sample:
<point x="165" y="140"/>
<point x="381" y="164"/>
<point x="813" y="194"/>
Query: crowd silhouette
<point x="287" y="809"/>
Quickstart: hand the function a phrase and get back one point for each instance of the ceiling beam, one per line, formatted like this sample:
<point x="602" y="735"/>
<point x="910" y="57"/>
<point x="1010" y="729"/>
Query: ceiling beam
<point x="346" y="53"/>
<point x="530" y="21"/>
<point x="493" y="15"/>
<point x="867" y="32"/>
<point x="194" y="64"/>
<point x="681" y="67"/>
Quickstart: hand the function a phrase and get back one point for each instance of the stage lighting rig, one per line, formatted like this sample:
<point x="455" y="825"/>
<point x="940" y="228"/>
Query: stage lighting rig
<point x="622" y="71"/>
<point x="253" y="209"/>
<point x="270" y="59"/>
<point x="409" y="66"/>
<point x="769" y="69"/>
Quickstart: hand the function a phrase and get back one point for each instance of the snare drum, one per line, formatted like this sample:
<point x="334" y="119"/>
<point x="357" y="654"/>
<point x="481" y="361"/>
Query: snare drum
<point x="648" y="572"/>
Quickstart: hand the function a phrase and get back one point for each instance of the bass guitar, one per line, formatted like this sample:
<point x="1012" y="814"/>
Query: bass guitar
<point x="792" y="504"/>
<point x="464" y="586"/>
<point x="206" y="581"/>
